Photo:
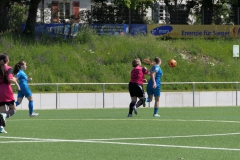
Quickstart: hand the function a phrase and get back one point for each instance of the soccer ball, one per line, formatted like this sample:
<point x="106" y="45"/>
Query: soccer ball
<point x="172" y="63"/>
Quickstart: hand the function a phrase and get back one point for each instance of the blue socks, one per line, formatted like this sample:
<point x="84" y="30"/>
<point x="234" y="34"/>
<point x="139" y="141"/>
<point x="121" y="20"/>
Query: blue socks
<point x="155" y="110"/>
<point x="30" y="107"/>
<point x="17" y="103"/>
<point x="148" y="100"/>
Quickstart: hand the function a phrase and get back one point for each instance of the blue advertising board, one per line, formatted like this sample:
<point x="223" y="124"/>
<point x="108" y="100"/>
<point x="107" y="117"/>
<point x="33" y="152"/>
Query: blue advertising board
<point x="110" y="29"/>
<point x="58" y="29"/>
<point x="71" y="30"/>
<point x="138" y="29"/>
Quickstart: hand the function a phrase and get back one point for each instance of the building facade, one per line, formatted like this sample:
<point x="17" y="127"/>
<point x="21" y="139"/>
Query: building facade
<point x="59" y="11"/>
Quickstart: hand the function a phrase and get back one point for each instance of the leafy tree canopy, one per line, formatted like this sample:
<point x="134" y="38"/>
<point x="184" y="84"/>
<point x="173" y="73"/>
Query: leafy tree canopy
<point x="133" y="4"/>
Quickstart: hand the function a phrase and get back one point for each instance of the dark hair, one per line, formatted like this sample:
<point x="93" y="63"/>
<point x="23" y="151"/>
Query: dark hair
<point x="3" y="71"/>
<point x="157" y="60"/>
<point x="17" y="67"/>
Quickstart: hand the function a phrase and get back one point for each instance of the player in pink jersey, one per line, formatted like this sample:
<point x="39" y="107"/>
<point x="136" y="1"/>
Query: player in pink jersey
<point x="135" y="86"/>
<point x="6" y="94"/>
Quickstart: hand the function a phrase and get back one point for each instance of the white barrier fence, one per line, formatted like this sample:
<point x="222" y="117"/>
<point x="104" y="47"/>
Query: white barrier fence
<point x="121" y="100"/>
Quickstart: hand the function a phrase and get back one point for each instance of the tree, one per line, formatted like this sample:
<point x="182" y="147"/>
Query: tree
<point x="32" y="16"/>
<point x="8" y="14"/>
<point x="5" y="15"/>
<point x="212" y="12"/>
<point x="17" y="16"/>
<point x="117" y="12"/>
<point x="178" y="12"/>
<point x="133" y="5"/>
<point x="4" y="18"/>
<point x="235" y="6"/>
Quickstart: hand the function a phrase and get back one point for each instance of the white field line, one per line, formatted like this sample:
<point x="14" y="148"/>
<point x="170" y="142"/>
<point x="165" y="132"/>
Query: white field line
<point x="105" y="141"/>
<point x="132" y="119"/>
<point x="166" y="137"/>
<point x="136" y="144"/>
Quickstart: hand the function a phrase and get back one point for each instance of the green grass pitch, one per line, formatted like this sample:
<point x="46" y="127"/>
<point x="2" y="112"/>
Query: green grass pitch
<point x="196" y="133"/>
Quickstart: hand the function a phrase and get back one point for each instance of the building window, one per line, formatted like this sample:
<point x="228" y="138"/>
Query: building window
<point x="76" y="13"/>
<point x="55" y="11"/>
<point x="64" y="10"/>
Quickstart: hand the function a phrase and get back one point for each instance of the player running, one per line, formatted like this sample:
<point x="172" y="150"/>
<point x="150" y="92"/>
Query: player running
<point x="25" y="91"/>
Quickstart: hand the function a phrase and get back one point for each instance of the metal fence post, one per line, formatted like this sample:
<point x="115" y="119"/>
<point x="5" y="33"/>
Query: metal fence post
<point x="103" y="89"/>
<point x="193" y="86"/>
<point x="56" y="96"/>
<point x="236" y="93"/>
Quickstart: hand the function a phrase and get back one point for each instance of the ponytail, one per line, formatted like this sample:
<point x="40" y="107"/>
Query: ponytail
<point x="17" y="67"/>
<point x="148" y="61"/>
<point x="3" y="72"/>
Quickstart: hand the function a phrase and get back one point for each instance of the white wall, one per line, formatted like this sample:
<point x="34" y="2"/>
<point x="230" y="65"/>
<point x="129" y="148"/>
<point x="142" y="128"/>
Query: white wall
<point x="122" y="100"/>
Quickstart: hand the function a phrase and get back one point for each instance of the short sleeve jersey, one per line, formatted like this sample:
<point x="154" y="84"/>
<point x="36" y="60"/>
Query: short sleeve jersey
<point x="22" y="78"/>
<point x="6" y="94"/>
<point x="137" y="75"/>
<point x="158" y="75"/>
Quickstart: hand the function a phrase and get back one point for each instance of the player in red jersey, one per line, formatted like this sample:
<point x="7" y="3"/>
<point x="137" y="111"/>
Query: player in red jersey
<point x="6" y="94"/>
<point x="135" y="86"/>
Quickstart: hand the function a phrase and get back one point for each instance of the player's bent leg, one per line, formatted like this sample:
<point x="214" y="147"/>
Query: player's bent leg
<point x="140" y="102"/>
<point x="132" y="106"/>
<point x="3" y="109"/>
<point x="19" y="101"/>
<point x="144" y="102"/>
<point x="12" y="110"/>
<point x="20" y="97"/>
<point x="149" y="98"/>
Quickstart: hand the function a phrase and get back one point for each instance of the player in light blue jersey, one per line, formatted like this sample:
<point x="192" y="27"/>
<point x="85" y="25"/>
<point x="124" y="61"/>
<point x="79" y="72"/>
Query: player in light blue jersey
<point x="25" y="91"/>
<point x="154" y="84"/>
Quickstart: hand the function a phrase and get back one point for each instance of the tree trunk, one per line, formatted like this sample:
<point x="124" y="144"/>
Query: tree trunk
<point x="32" y="16"/>
<point x="208" y="11"/>
<point x="4" y="18"/>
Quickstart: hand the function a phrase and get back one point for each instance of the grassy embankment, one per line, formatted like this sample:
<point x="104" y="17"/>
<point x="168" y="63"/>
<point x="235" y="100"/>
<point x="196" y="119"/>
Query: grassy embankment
<point x="90" y="58"/>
